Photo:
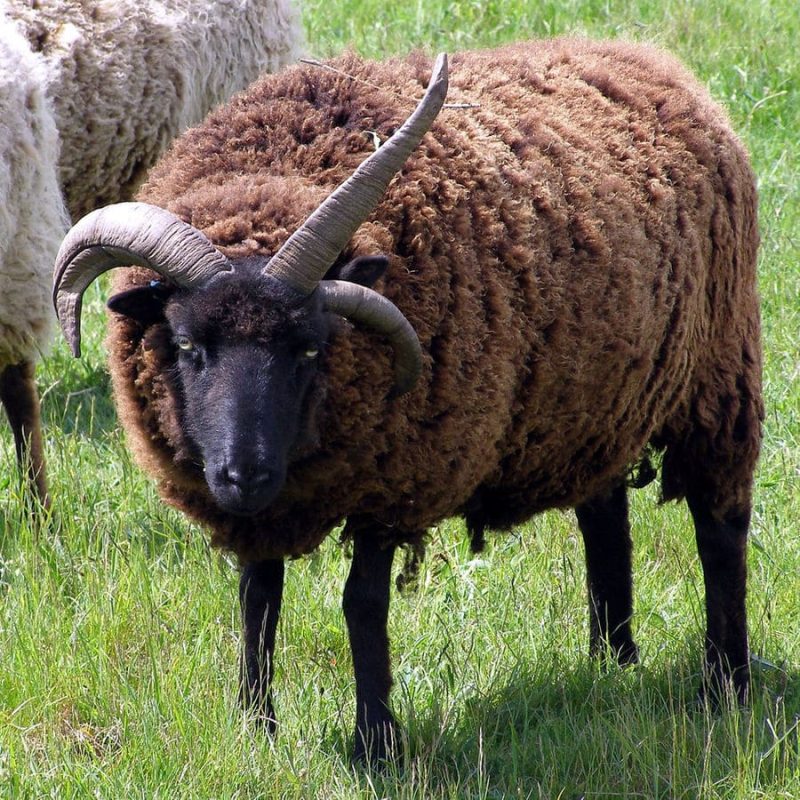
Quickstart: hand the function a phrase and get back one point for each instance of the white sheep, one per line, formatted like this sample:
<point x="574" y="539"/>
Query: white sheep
<point x="125" y="76"/>
<point x="32" y="221"/>
<point x="91" y="94"/>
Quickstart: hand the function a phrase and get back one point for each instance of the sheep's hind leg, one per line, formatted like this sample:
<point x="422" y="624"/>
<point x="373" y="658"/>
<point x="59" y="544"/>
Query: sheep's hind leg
<point x="260" y="593"/>
<point x="722" y="544"/>
<point x="366" y="609"/>
<point x="603" y="521"/>
<point x="21" y="401"/>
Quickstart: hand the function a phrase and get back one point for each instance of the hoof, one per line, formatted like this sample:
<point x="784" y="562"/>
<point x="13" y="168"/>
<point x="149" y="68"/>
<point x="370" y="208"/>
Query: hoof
<point x="720" y="691"/>
<point x="260" y="711"/>
<point x="626" y="653"/>
<point x="266" y="722"/>
<point x="623" y="653"/>
<point x="379" y="745"/>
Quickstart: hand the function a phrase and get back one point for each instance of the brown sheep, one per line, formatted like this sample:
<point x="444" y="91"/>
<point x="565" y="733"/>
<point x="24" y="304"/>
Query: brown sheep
<point x="576" y="253"/>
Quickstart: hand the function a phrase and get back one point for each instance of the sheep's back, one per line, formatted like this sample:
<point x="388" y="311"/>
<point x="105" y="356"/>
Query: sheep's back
<point x="555" y="244"/>
<point x="126" y="77"/>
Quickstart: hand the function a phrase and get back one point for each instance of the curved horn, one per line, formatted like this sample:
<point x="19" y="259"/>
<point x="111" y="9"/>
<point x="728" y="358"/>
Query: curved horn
<point x="121" y="235"/>
<point x="314" y="246"/>
<point x="373" y="310"/>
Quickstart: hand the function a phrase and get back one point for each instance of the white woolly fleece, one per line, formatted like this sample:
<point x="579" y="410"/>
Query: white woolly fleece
<point x="109" y="83"/>
<point x="126" y="76"/>
<point x="32" y="216"/>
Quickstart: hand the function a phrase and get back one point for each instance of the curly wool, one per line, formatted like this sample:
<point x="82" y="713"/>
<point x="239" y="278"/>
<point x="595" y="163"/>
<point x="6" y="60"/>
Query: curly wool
<point x="576" y="253"/>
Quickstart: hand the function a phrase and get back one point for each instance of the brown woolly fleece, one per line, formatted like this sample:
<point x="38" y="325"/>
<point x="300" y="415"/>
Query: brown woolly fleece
<point x="577" y="254"/>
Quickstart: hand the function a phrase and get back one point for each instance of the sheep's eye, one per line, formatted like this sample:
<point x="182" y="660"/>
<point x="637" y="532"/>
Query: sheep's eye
<point x="184" y="343"/>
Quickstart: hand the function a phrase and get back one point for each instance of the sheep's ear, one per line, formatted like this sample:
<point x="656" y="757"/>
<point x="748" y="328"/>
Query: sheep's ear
<point x="363" y="270"/>
<point x="145" y="304"/>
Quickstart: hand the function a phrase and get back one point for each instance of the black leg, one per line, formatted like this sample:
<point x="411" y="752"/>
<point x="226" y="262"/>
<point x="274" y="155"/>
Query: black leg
<point x="260" y="592"/>
<point x="21" y="401"/>
<point x="366" y="610"/>
<point x="722" y="544"/>
<point x="606" y="533"/>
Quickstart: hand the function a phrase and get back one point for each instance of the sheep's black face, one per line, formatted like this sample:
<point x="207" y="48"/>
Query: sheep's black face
<point x="247" y="354"/>
<point x="247" y="350"/>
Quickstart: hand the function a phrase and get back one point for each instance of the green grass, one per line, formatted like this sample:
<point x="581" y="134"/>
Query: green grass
<point x="119" y="626"/>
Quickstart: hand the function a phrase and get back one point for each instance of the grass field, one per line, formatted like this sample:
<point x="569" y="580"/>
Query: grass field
<point x="119" y="626"/>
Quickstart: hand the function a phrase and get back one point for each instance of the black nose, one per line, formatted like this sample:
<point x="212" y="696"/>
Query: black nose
<point x="244" y="486"/>
<point x="245" y="476"/>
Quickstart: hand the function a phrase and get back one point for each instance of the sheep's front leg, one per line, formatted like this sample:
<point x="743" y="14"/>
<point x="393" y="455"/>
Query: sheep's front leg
<point x="366" y="610"/>
<point x="722" y="544"/>
<point x="260" y="593"/>
<point x="603" y="521"/>
<point x="21" y="401"/>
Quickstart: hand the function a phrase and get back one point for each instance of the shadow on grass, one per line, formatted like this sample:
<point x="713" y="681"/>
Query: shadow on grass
<point x="578" y="733"/>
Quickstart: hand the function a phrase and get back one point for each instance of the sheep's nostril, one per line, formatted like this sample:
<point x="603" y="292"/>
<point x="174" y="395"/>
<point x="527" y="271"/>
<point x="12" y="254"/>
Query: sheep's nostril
<point x="243" y="487"/>
<point x="246" y="477"/>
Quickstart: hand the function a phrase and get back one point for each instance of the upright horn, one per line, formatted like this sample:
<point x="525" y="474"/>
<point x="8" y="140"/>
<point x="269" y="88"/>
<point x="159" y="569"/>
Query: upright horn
<point x="125" y="234"/>
<point x="314" y="246"/>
